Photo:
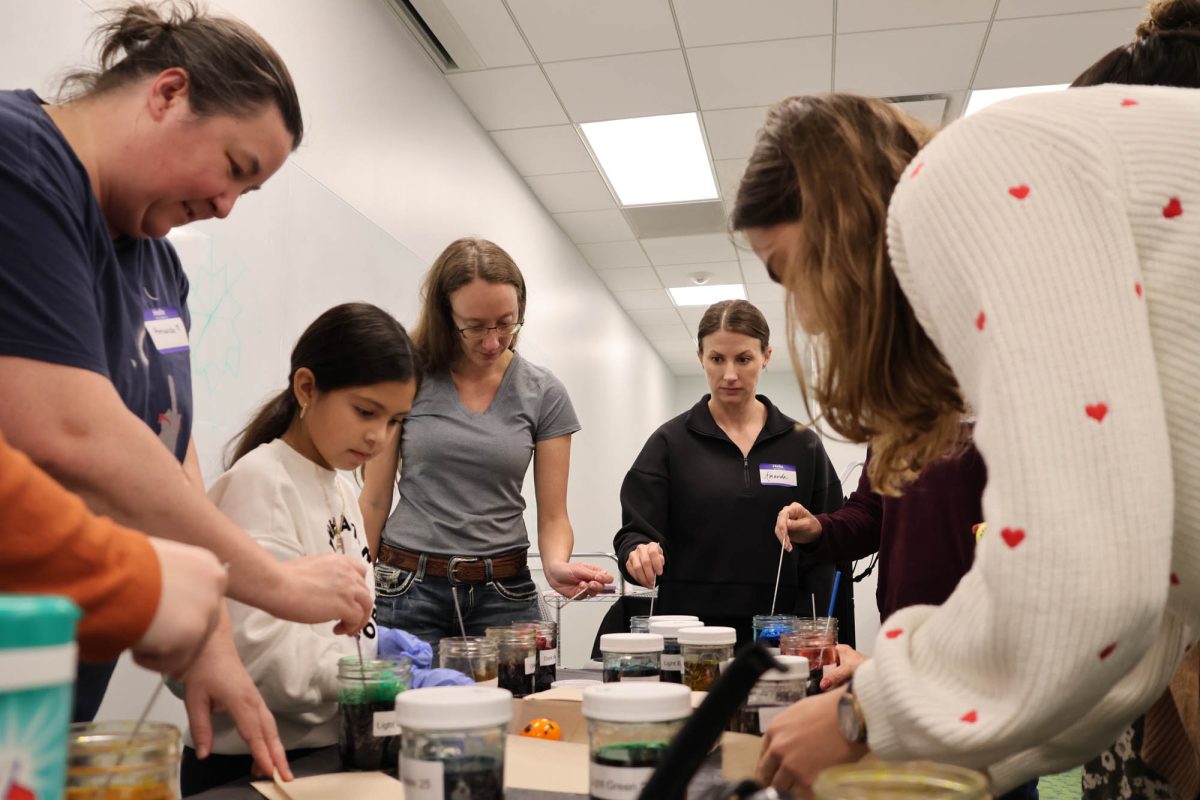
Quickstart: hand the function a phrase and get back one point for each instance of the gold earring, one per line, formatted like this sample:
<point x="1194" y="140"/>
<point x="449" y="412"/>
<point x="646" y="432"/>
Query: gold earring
<point x="303" y="408"/>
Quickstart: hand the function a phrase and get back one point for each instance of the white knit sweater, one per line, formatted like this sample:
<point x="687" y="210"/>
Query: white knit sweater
<point x="1050" y="246"/>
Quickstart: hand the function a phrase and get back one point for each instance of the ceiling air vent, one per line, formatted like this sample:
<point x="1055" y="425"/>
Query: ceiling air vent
<point x="431" y="22"/>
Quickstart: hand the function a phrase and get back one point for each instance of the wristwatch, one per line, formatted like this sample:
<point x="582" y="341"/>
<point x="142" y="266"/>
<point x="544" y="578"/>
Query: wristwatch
<point x="851" y="722"/>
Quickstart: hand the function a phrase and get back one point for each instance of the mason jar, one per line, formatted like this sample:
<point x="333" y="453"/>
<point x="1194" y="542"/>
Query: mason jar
<point x="641" y="624"/>
<point x="630" y="726"/>
<point x="633" y="657"/>
<point x="453" y="742"/>
<point x="516" y="657"/>
<point x="672" y="661"/>
<point x="109" y="757"/>
<point x="473" y="656"/>
<point x="775" y="690"/>
<point x="705" y="651"/>
<point x="769" y="627"/>
<point x="368" y="737"/>
<point x="546" y="643"/>
<point x="816" y="640"/>
<point x="919" y="780"/>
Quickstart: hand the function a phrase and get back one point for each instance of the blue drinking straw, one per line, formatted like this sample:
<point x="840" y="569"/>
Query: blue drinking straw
<point x="837" y="578"/>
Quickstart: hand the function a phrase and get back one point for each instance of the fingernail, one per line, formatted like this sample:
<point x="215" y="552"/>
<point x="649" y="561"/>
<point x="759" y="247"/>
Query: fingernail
<point x="825" y="684"/>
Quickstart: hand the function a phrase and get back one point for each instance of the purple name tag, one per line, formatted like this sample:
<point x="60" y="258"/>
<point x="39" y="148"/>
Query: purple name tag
<point x="777" y="474"/>
<point x="165" y="328"/>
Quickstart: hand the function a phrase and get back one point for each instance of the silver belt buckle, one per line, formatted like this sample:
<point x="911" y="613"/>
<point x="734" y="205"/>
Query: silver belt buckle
<point x="452" y="566"/>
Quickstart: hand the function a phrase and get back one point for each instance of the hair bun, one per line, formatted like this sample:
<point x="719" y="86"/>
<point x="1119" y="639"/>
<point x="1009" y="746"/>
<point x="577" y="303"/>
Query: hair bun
<point x="1164" y="16"/>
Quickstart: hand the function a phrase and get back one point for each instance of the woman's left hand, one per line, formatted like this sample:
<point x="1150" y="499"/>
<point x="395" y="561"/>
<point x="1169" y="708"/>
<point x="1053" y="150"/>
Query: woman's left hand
<point x="802" y="741"/>
<point x="569" y="579"/>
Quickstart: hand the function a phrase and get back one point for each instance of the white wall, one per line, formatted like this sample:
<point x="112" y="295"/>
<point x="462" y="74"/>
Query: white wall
<point x="389" y="140"/>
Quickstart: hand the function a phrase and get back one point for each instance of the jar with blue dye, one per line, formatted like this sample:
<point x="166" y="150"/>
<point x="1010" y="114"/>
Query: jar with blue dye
<point x="769" y="627"/>
<point x="37" y="675"/>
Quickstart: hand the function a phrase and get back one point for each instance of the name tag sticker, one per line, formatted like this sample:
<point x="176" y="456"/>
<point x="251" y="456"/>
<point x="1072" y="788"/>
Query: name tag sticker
<point x="165" y="328"/>
<point x="777" y="474"/>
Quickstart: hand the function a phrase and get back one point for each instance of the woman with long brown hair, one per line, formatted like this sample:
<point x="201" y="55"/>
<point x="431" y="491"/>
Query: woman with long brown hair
<point x="452" y="556"/>
<point x="1038" y="266"/>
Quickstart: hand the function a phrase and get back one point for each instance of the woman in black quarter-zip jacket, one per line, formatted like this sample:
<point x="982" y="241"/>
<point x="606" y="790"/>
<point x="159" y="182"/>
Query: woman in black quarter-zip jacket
<point x="699" y="504"/>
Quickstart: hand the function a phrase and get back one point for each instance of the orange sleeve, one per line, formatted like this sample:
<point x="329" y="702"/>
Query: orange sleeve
<point x="52" y="544"/>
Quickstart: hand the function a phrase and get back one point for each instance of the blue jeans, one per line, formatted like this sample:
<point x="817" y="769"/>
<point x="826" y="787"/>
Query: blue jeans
<point x="1026" y="791"/>
<point x="423" y="604"/>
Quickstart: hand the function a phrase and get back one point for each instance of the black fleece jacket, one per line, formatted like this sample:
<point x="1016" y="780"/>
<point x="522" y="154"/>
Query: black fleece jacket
<point x="691" y="491"/>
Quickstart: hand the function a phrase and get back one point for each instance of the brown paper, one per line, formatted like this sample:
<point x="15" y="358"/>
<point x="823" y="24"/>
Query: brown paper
<point x="358" y="785"/>
<point x="545" y="766"/>
<point x="739" y="756"/>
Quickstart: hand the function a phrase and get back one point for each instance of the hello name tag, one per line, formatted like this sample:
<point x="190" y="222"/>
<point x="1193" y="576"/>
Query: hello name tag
<point x="777" y="474"/>
<point x="165" y="328"/>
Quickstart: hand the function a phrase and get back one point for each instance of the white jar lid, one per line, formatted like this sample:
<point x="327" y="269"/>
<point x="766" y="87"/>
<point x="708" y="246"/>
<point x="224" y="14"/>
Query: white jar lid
<point x="631" y="643"/>
<point x="637" y="702"/>
<point x="575" y="683"/>
<point x="794" y="667"/>
<point x="708" y="635"/>
<point x="665" y="617"/>
<point x="446" y="708"/>
<point x="669" y="628"/>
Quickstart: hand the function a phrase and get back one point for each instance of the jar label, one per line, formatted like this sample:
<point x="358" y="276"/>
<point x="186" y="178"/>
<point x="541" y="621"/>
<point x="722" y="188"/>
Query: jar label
<point x="641" y="679"/>
<point x="423" y="780"/>
<point x="672" y="662"/>
<point x="548" y="657"/>
<point x="530" y="665"/>
<point x="386" y="724"/>
<point x="768" y="713"/>
<point x="618" y="783"/>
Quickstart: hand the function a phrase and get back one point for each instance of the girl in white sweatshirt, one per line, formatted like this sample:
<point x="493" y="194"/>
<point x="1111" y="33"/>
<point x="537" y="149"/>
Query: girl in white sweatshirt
<point x="352" y="381"/>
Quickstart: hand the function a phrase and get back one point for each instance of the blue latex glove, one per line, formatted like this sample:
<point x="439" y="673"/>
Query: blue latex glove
<point x="439" y="677"/>
<point x="395" y="642"/>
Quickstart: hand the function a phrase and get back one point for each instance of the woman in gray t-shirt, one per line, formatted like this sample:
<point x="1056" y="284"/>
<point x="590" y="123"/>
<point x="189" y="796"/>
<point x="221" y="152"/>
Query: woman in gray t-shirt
<point x="481" y="414"/>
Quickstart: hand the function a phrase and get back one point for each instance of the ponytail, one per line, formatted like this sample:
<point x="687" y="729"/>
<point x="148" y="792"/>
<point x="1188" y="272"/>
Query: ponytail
<point x="268" y="424"/>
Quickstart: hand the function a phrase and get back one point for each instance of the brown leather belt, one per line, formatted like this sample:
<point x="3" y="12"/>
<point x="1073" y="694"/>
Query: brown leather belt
<point x="456" y="569"/>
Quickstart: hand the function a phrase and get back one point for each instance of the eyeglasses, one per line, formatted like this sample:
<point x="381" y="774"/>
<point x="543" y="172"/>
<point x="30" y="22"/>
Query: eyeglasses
<point x="480" y="331"/>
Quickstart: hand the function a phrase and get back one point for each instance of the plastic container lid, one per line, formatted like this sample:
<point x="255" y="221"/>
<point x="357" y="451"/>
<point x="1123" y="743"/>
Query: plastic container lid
<point x="631" y="643"/>
<point x="449" y="708"/>
<point x="714" y="635"/>
<point x="575" y="683"/>
<point x="664" y="617"/>
<point x="795" y="667"/>
<point x="670" y="628"/>
<point x="637" y="702"/>
<point x="36" y="620"/>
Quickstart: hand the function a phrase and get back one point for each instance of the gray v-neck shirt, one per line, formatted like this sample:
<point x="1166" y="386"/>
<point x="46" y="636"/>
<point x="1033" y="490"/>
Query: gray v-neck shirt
<point x="462" y="472"/>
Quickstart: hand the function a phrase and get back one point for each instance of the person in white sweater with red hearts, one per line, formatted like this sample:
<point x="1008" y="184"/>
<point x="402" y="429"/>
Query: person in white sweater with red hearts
<point x="1039" y="266"/>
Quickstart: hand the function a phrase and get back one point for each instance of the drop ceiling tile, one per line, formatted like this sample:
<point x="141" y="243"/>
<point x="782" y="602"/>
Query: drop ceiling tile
<point x="674" y="336"/>
<point x="753" y="270"/>
<point x="677" y="350"/>
<point x="566" y="29"/>
<point x="544" y="151"/>
<point x="513" y="97"/>
<point x="639" y="85"/>
<point x="706" y="22"/>
<point x="718" y="272"/>
<point x="642" y="299"/>
<point x="699" y="249"/>
<point x="1041" y="8"/>
<point x="731" y="131"/>
<point x="620" y="280"/>
<point x="614" y="255"/>
<point x="655" y="316"/>
<point x="1065" y="46"/>
<point x="572" y="191"/>
<point x="595" y="226"/>
<point x="766" y="296"/>
<point x="491" y="31"/>
<point x="741" y="75"/>
<point x="729" y="175"/>
<point x="931" y="112"/>
<point x="886" y="64"/>
<point x="877" y="15"/>
<point x="691" y="316"/>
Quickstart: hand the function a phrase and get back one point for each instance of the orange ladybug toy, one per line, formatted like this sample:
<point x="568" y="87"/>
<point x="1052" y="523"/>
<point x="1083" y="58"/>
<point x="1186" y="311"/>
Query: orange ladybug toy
<point x="542" y="729"/>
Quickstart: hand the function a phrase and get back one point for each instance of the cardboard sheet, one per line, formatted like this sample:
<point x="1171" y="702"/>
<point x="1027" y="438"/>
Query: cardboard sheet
<point x="545" y="766"/>
<point x="358" y="785"/>
<point x="739" y="755"/>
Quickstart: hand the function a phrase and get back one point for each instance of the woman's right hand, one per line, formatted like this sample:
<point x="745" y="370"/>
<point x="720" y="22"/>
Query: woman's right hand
<point x="795" y="523"/>
<point x="315" y="589"/>
<point x="645" y="563"/>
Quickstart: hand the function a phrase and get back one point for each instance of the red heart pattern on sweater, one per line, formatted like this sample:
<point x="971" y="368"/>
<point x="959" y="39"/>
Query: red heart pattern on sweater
<point x="1127" y="102"/>
<point x="1019" y="192"/>
<point x="1137" y="287"/>
<point x="981" y="320"/>
<point x="970" y="716"/>
<point x="1108" y="651"/>
<point x="1097" y="411"/>
<point x="916" y="170"/>
<point x="1174" y="579"/>
<point x="894" y="632"/>
<point x="1173" y="208"/>
<point x="1013" y="536"/>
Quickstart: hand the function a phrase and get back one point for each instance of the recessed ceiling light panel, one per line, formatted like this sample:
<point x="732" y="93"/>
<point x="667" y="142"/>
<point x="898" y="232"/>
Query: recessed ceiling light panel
<point x="652" y="160"/>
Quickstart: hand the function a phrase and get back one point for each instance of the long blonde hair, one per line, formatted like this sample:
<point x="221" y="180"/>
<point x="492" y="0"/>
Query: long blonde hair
<point x="831" y="163"/>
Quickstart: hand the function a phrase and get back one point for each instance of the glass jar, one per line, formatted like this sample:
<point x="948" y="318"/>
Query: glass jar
<point x="516" y="658"/>
<point x="775" y="691"/>
<point x="816" y="640"/>
<point x="367" y="734"/>
<point x="769" y="627"/>
<point x="546" y="642"/>
<point x="641" y="624"/>
<point x="473" y="656"/>
<point x="629" y="728"/>
<point x="631" y="656"/>
<point x="706" y="651"/>
<point x="916" y="779"/>
<point x="141" y="766"/>
<point x="672" y="661"/>
<point x="453" y="742"/>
